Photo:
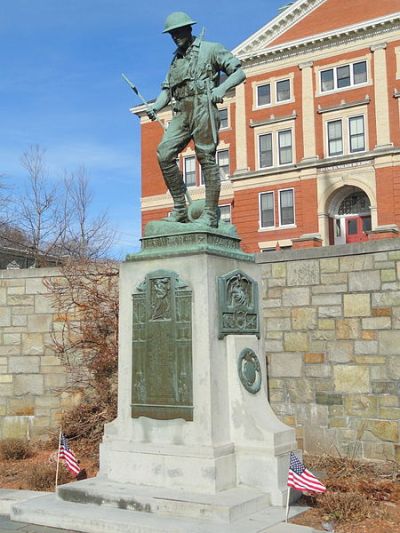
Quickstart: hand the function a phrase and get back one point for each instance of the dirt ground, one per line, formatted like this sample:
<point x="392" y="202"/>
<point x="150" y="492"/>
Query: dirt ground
<point x="361" y="497"/>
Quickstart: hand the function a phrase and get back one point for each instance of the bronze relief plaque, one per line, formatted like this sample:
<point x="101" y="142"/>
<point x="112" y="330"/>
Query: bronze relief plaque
<point x="162" y="381"/>
<point x="238" y="305"/>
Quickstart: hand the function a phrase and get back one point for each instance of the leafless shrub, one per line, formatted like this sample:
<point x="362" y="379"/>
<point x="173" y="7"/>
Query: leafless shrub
<point x="15" y="449"/>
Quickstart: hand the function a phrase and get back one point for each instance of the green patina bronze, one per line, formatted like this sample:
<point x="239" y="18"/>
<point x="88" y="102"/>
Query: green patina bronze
<point x="249" y="370"/>
<point x="238" y="305"/>
<point x="162" y="380"/>
<point x="193" y="85"/>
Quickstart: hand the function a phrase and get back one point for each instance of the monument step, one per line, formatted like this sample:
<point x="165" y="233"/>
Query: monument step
<point x="226" y="506"/>
<point x="51" y="511"/>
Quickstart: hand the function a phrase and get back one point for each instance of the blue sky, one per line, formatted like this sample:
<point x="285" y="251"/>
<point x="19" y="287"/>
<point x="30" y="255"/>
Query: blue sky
<point x="61" y="88"/>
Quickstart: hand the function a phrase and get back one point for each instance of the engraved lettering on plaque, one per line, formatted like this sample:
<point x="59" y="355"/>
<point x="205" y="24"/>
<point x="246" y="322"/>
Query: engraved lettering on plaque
<point x="238" y="305"/>
<point x="162" y="380"/>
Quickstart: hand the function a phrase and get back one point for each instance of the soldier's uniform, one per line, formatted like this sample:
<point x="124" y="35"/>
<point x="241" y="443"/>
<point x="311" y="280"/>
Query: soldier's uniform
<point x="186" y="82"/>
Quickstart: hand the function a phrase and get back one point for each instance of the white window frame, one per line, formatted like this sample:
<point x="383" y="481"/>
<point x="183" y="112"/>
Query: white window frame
<point x="185" y="158"/>
<point x="226" y="108"/>
<point x="230" y="212"/>
<point x="335" y="68"/>
<point x="292" y="224"/>
<point x="275" y="147"/>
<point x="223" y="178"/>
<point x="273" y="83"/>
<point x="260" y="210"/>
<point x="346" y="141"/>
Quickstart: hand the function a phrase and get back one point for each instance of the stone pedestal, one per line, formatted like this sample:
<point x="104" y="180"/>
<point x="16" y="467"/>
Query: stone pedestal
<point x="226" y="459"/>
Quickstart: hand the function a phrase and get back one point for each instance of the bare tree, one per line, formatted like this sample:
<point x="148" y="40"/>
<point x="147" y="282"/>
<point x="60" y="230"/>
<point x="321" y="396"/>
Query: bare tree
<point x="43" y="213"/>
<point x="86" y="236"/>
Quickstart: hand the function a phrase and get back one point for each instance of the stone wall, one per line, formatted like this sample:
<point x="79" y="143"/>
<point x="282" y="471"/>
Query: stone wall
<point x="31" y="376"/>
<point x="332" y="329"/>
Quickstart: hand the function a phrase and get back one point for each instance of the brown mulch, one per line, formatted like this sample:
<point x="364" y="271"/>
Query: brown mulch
<point x="361" y="496"/>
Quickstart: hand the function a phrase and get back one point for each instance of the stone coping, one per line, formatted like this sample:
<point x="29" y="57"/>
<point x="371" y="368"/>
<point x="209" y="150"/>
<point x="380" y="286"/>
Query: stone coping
<point x="359" y="248"/>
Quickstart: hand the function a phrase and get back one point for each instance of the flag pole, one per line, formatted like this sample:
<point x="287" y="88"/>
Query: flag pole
<point x="58" y="458"/>
<point x="287" y="503"/>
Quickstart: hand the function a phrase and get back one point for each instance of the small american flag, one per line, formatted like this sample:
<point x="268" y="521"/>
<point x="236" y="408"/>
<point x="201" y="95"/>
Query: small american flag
<point x="67" y="455"/>
<point x="300" y="478"/>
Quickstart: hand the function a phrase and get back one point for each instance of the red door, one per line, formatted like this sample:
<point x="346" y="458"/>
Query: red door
<point x="356" y="228"/>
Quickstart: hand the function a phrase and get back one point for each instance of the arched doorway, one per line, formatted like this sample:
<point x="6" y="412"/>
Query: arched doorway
<point x="349" y="216"/>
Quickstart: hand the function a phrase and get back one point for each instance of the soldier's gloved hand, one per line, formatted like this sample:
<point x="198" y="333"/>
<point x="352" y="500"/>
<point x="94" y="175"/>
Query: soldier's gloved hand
<point x="217" y="95"/>
<point x="151" y="113"/>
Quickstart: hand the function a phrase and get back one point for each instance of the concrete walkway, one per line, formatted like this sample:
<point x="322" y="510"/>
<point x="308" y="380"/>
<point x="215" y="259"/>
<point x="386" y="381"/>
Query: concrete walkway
<point x="9" y="497"/>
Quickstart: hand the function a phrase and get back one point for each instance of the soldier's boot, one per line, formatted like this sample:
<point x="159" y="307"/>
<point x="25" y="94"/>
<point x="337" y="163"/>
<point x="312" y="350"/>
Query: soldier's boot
<point x="174" y="181"/>
<point x="212" y="180"/>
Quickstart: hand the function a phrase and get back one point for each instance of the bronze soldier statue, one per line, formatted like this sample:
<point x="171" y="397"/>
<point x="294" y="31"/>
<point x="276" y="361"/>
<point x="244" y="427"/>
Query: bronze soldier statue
<point x="193" y="87"/>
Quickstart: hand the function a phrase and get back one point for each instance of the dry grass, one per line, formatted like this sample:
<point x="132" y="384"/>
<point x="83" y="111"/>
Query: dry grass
<point x="43" y="476"/>
<point x="15" y="449"/>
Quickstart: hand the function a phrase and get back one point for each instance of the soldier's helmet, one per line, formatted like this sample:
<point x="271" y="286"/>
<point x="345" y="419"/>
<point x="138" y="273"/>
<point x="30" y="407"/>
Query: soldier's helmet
<point x="178" y="19"/>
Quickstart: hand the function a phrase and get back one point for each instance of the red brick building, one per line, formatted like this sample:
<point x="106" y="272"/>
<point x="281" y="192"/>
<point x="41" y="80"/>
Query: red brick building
<point x="310" y="144"/>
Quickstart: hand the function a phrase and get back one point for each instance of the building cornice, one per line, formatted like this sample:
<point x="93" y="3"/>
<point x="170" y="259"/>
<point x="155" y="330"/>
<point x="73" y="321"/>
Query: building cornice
<point x="348" y="34"/>
<point x="344" y="105"/>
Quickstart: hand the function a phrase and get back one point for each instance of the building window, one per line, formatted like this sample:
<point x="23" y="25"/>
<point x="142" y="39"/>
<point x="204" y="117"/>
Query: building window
<point x="225" y="213"/>
<point x="275" y="148"/>
<point x="283" y="90"/>
<point x="346" y="136"/>
<point x="356" y="134"/>
<point x="223" y="118"/>
<point x="189" y="170"/>
<point x="267" y="213"/>
<point x="223" y="163"/>
<point x="285" y="147"/>
<point x="263" y="95"/>
<point x="286" y="207"/>
<point x="265" y="150"/>
<point x="335" y="138"/>
<point x="343" y="76"/>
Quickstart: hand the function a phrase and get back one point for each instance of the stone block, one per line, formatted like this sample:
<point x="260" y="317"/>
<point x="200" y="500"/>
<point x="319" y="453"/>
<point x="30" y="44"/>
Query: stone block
<point x="364" y="281"/>
<point x="28" y="384"/>
<point x="300" y="390"/>
<point x="313" y="358"/>
<point x="285" y="365"/>
<point x="278" y="324"/>
<point x="326" y="299"/>
<point x="370" y="360"/>
<point x="276" y="292"/>
<point x="318" y="371"/>
<point x="334" y="279"/>
<point x="326" y="324"/>
<point x="43" y="304"/>
<point x="19" y="320"/>
<point x="5" y="316"/>
<point x="390" y="413"/>
<point x="328" y="398"/>
<point x="272" y="302"/>
<point x="379" y="322"/>
<point x="369" y="335"/>
<point x="274" y="346"/>
<point x="32" y="344"/>
<point x="279" y="312"/>
<point x="388" y="275"/>
<point x="278" y="270"/>
<point x="351" y="378"/>
<point x="328" y="289"/>
<point x="361" y="405"/>
<point x="386" y="299"/>
<point x="28" y="364"/>
<point x="352" y="263"/>
<point x="304" y="318"/>
<point x="35" y="286"/>
<point x="20" y="300"/>
<point x="393" y="366"/>
<point x="357" y="305"/>
<point x="381" y="256"/>
<point x="330" y="311"/>
<point x="48" y="360"/>
<point x="336" y="410"/>
<point x="303" y="273"/>
<point x="19" y="310"/>
<point x="296" y="342"/>
<point x="347" y="328"/>
<point x="295" y="297"/>
<point x="16" y="290"/>
<point x="340" y="351"/>
<point x="365" y="347"/>
<point x="274" y="335"/>
<point x="40" y="323"/>
<point x="3" y="296"/>
<point x="384" y="429"/>
<point x="378" y="373"/>
<point x="277" y="282"/>
<point x="12" y="338"/>
<point x="386" y="387"/>
<point x="337" y="422"/>
<point x="322" y="385"/>
<point x="10" y="349"/>
<point x="329" y="264"/>
<point x="389" y="342"/>
<point x="381" y="451"/>
<point x="322" y="335"/>
<point x="55" y="380"/>
<point x="6" y="378"/>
